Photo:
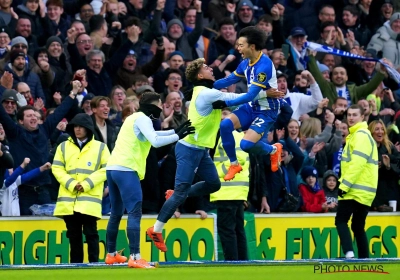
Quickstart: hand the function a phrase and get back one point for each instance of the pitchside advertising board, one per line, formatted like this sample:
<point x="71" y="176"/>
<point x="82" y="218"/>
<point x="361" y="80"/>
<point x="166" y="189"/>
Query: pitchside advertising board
<point x="42" y="240"/>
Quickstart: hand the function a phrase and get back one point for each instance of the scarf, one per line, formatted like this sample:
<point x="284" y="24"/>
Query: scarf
<point x="325" y="49"/>
<point x="345" y="94"/>
<point x="316" y="187"/>
<point x="298" y="58"/>
<point x="151" y="110"/>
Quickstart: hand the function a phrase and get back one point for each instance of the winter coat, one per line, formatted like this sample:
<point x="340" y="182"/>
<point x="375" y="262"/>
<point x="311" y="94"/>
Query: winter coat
<point x="304" y="14"/>
<point x="312" y="202"/>
<point x="388" y="188"/>
<point x="330" y="195"/>
<point x="86" y="165"/>
<point x="125" y="77"/>
<point x="386" y="41"/>
<point x="31" y="79"/>
<point x="33" y="144"/>
<point x="112" y="133"/>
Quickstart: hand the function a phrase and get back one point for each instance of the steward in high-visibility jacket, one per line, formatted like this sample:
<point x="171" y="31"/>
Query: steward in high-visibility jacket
<point x="359" y="165"/>
<point x="79" y="166"/>
<point x="229" y="200"/>
<point x="86" y="165"/>
<point x="238" y="187"/>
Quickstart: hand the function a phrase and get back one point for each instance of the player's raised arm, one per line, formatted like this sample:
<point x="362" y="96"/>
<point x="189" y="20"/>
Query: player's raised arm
<point x="233" y="78"/>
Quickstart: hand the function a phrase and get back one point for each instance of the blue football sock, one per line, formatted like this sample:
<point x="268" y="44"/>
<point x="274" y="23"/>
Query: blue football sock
<point x="260" y="147"/>
<point x="228" y="141"/>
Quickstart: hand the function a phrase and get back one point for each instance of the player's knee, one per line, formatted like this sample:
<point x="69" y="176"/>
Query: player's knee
<point x="246" y="145"/>
<point x="226" y="125"/>
<point x="214" y="186"/>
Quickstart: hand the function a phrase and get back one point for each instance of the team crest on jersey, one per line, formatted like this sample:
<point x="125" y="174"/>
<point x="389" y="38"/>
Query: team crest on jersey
<point x="261" y="77"/>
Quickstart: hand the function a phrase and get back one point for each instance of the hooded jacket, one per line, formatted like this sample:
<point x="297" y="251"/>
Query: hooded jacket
<point x="83" y="165"/>
<point x="330" y="195"/>
<point x="386" y="41"/>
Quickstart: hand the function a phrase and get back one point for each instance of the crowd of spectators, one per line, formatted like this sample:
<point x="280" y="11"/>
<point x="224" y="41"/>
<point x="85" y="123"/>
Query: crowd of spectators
<point x="119" y="50"/>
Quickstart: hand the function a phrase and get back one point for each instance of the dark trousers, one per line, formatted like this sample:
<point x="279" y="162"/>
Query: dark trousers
<point x="230" y="225"/>
<point x="74" y="225"/>
<point x="29" y="195"/>
<point x="345" y="209"/>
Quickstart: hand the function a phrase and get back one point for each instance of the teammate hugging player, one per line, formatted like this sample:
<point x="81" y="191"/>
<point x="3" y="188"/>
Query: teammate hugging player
<point x="259" y="116"/>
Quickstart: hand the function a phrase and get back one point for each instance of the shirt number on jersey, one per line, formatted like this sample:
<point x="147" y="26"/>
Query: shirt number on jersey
<point x="258" y="122"/>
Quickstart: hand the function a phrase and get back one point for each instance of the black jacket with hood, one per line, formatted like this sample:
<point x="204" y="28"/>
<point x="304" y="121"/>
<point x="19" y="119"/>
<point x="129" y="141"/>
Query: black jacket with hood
<point x="330" y="195"/>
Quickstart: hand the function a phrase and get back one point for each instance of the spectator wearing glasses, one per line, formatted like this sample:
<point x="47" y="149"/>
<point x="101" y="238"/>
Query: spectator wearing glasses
<point x="117" y="96"/>
<point x="173" y="83"/>
<point x="176" y="60"/>
<point x="18" y="43"/>
<point x="79" y="44"/>
<point x="25" y="91"/>
<point x="9" y="102"/>
<point x="327" y="14"/>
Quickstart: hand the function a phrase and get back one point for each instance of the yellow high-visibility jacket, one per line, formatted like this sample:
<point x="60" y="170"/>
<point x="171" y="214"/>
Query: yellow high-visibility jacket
<point x="359" y="165"/>
<point x="238" y="188"/>
<point x="70" y="166"/>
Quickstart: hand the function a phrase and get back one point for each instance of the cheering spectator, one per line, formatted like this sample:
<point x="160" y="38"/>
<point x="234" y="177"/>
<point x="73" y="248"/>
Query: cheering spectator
<point x="313" y="196"/>
<point x="29" y="139"/>
<point x="330" y="186"/>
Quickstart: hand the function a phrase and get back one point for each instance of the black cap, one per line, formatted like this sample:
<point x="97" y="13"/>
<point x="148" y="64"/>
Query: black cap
<point x="5" y="29"/>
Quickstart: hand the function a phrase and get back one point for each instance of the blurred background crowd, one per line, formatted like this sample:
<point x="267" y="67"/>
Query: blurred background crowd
<point x="119" y="50"/>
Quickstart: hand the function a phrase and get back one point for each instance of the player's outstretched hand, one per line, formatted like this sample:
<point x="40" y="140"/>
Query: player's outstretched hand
<point x="274" y="93"/>
<point x="185" y="124"/>
<point x="219" y="104"/>
<point x="185" y="131"/>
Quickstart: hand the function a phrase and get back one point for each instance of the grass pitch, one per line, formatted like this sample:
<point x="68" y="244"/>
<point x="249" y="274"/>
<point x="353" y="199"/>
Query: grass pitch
<point x="231" y="272"/>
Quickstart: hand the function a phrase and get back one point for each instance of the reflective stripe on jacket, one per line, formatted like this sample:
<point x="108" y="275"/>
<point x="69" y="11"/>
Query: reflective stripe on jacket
<point x="87" y="167"/>
<point x="238" y="188"/>
<point x="359" y="165"/>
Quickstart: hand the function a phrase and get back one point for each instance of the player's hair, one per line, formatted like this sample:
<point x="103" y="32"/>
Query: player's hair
<point x="149" y="97"/>
<point x="254" y="36"/>
<point x="193" y="69"/>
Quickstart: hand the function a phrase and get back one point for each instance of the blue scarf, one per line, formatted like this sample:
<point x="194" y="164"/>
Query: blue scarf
<point x="316" y="187"/>
<point x="345" y="95"/>
<point x="189" y="30"/>
<point x="326" y="49"/>
<point x="337" y="157"/>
